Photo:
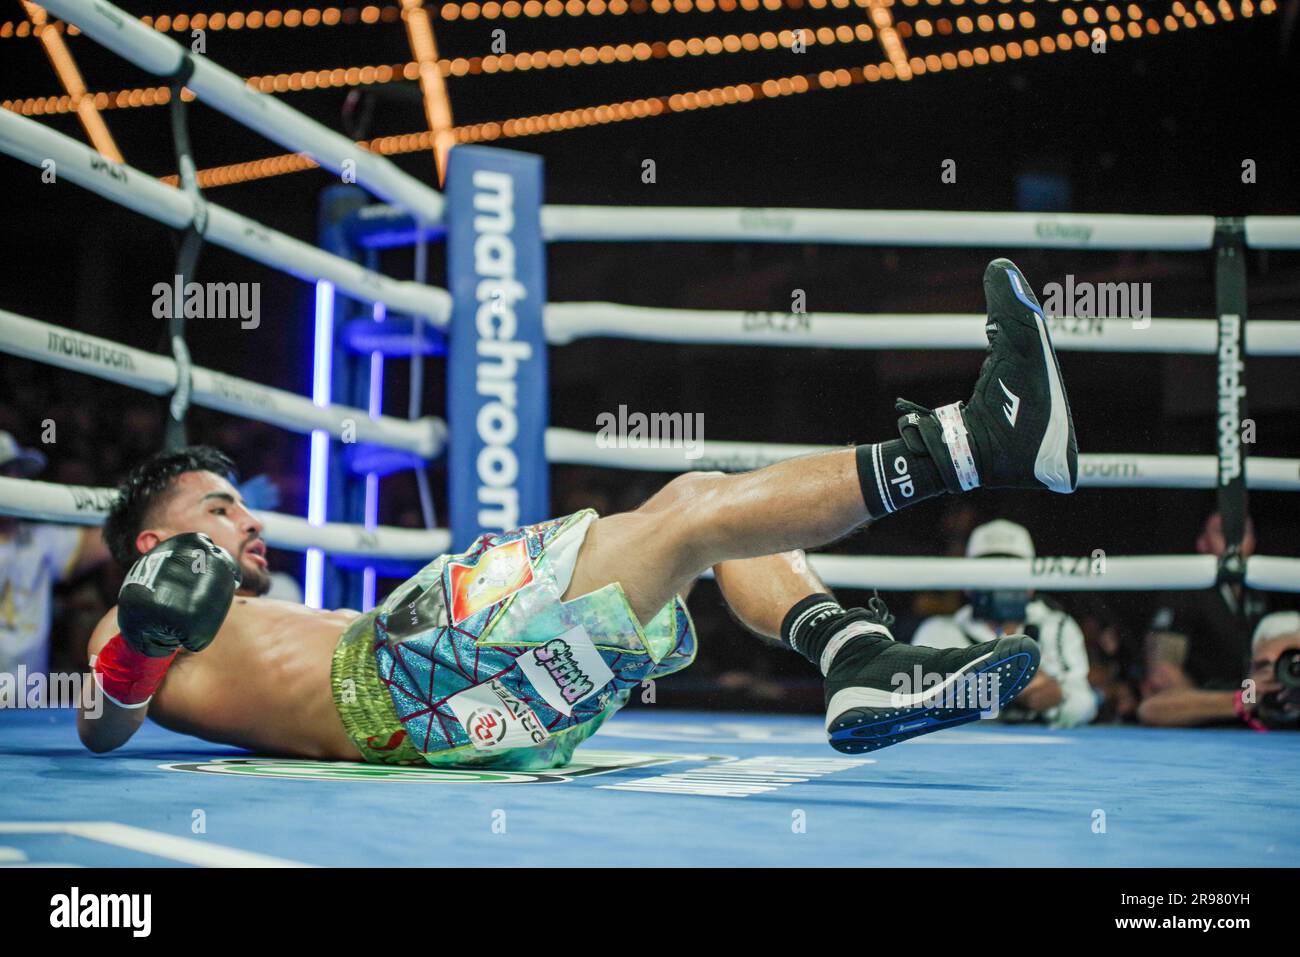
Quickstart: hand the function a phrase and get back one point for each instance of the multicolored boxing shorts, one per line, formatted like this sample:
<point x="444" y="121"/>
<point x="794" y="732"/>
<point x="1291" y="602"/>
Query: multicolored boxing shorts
<point x="477" y="660"/>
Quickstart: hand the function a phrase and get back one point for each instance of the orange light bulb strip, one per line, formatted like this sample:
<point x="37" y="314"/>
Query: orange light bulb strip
<point x="697" y="99"/>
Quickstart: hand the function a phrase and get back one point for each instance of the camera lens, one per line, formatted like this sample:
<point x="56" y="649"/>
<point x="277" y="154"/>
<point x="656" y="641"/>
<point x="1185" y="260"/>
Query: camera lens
<point x="1288" y="668"/>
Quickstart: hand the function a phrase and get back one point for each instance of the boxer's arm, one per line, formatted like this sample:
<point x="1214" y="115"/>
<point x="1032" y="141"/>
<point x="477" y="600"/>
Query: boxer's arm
<point x="175" y="596"/>
<point x="102" y="724"/>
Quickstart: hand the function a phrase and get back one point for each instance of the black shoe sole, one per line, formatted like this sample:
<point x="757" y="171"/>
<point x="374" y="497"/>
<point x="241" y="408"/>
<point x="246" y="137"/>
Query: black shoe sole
<point x="861" y="730"/>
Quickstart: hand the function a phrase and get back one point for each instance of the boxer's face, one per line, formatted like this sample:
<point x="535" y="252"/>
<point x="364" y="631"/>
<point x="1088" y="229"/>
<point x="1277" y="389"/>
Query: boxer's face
<point x="207" y="503"/>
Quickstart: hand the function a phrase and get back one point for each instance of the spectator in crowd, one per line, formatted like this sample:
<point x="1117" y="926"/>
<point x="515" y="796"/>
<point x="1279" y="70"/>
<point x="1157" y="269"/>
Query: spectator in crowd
<point x="1201" y="639"/>
<point x="1059" y="694"/>
<point x="1114" y="664"/>
<point x="33" y="557"/>
<point x="1266" y="698"/>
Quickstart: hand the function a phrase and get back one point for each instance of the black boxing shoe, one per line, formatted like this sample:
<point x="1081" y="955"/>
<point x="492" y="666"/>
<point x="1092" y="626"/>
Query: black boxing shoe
<point x="1015" y="431"/>
<point x="880" y="692"/>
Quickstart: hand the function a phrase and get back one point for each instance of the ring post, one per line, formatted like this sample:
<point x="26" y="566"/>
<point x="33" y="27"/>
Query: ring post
<point x="349" y="378"/>
<point x="496" y="381"/>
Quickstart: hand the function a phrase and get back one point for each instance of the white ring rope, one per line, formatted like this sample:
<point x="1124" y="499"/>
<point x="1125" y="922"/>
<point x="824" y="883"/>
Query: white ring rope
<point x="79" y="505"/>
<point x="1118" y="470"/>
<point x="44" y="501"/>
<point x="336" y="538"/>
<point x="1272" y="337"/>
<point x="1271" y="573"/>
<point x="568" y="321"/>
<point x="38" y="145"/>
<point x="1065" y="573"/>
<point x="129" y="38"/>
<point x="150" y="372"/>
<point x="1069" y="573"/>
<point x="874" y="227"/>
<point x="1273" y="232"/>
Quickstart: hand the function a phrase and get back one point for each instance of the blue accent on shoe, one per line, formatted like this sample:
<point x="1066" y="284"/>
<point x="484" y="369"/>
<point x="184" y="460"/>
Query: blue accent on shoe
<point x="1020" y="294"/>
<point x="860" y="738"/>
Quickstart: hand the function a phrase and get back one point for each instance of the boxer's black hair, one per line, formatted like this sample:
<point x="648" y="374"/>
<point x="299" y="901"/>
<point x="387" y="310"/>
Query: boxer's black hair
<point x="150" y="484"/>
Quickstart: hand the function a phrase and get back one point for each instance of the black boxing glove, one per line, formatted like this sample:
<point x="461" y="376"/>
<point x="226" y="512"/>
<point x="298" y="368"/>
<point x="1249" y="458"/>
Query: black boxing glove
<point x="177" y="595"/>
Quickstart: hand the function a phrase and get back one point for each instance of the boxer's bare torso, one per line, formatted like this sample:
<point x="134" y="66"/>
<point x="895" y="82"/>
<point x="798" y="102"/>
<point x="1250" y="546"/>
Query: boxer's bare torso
<point x="263" y="683"/>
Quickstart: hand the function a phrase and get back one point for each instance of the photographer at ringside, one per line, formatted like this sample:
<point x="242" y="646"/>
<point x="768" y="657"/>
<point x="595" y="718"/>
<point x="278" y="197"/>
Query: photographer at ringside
<point x="1059" y="694"/>
<point x="1268" y="698"/>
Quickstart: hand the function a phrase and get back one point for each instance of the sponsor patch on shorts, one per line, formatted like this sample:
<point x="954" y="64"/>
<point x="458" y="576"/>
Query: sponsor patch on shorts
<point x="495" y="718"/>
<point x="566" y="670"/>
<point x="499" y="572"/>
<point x="418" y="611"/>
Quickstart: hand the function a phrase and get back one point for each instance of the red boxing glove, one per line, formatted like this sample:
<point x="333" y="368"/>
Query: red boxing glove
<point x="127" y="677"/>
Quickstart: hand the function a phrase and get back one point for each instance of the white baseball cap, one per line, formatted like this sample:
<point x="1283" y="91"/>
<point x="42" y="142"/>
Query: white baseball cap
<point x="29" y="462"/>
<point x="1276" y="625"/>
<point x="1001" y="538"/>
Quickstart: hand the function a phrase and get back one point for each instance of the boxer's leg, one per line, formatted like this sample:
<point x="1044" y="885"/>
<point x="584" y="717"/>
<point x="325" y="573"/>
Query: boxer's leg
<point x="703" y="518"/>
<point x="1014" y="432"/>
<point x="760" y="591"/>
<point x="740" y="524"/>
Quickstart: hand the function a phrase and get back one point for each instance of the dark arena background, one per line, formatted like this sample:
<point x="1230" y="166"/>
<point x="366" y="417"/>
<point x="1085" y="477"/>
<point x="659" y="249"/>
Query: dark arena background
<point x="778" y="329"/>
